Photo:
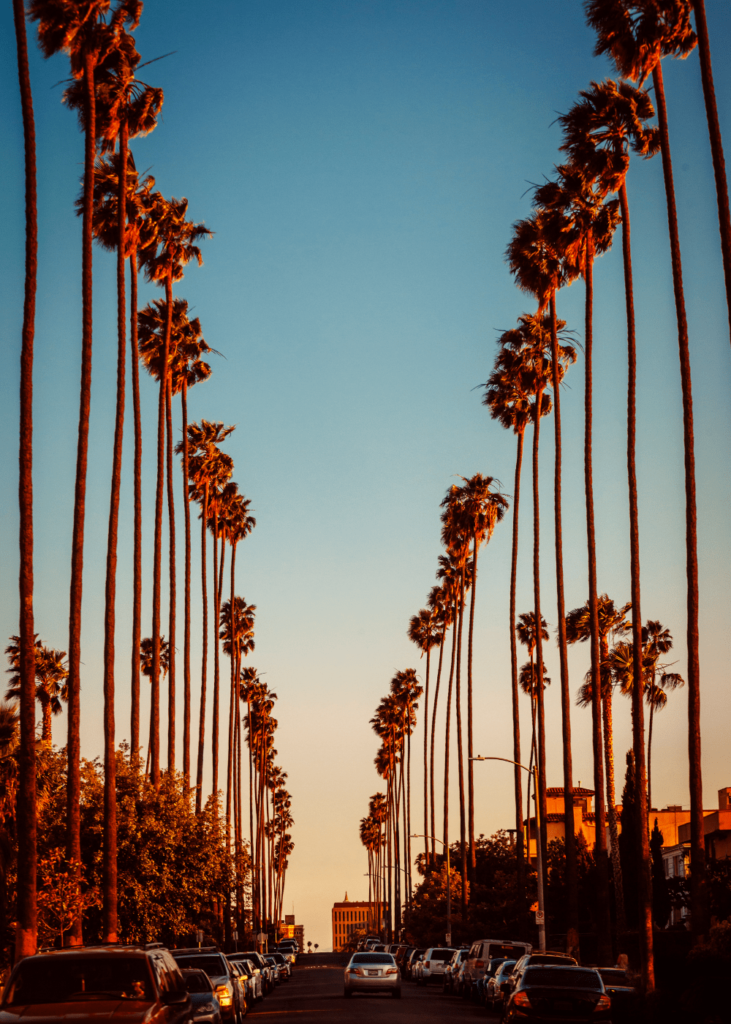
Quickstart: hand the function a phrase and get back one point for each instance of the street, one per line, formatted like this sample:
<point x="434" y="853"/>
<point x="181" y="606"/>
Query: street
<point x="315" y="992"/>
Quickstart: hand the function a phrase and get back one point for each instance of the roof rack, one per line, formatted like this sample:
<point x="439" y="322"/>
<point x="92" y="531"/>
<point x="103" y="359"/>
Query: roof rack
<point x="103" y="945"/>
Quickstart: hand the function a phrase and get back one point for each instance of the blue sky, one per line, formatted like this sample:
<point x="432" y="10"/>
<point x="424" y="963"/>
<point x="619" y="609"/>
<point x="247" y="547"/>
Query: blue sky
<point x="361" y="164"/>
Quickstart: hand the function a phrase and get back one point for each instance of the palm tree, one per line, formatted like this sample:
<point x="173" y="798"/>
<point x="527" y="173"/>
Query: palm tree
<point x="237" y="635"/>
<point x="507" y="395"/>
<point x="612" y="623"/>
<point x="208" y="467"/>
<point x="26" y="930"/>
<point x="408" y="690"/>
<point x="50" y="677"/>
<point x="637" y="35"/>
<point x="657" y="640"/>
<point x="538" y="258"/>
<point x="439" y="604"/>
<point x="527" y="634"/>
<point x="714" y="132"/>
<point x="481" y="508"/>
<point x="426" y="632"/>
<point x="175" y="246"/>
<point x="81" y="30"/>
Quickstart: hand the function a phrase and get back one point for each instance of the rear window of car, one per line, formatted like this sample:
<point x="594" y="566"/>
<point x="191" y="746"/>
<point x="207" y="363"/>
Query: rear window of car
<point x="614" y="977"/>
<point x="71" y="979"/>
<point x="551" y="958"/>
<point x="373" y="958"/>
<point x="568" y="978"/>
<point x="214" y="966"/>
<point x="197" y="981"/>
<point x="441" y="954"/>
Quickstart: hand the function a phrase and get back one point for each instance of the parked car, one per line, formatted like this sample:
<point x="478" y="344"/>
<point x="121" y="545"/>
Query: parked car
<point x="490" y="971"/>
<point x="482" y="952"/>
<point x="544" y="957"/>
<point x="372" y="972"/>
<point x="252" y="980"/>
<point x="96" y="983"/>
<point x="283" y="965"/>
<point x="622" y="993"/>
<point x="226" y="985"/>
<point x="450" y="971"/>
<point x="264" y="968"/>
<point x="494" y="993"/>
<point x="409" y="967"/>
<point x="205" y="1008"/>
<point x="563" y="995"/>
<point x="431" y="968"/>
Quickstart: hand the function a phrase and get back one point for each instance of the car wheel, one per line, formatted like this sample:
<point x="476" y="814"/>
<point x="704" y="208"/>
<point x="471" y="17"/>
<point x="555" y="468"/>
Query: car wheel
<point x="396" y="993"/>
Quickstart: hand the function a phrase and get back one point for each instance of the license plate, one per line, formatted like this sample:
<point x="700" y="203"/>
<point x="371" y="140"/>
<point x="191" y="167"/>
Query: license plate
<point x="373" y="974"/>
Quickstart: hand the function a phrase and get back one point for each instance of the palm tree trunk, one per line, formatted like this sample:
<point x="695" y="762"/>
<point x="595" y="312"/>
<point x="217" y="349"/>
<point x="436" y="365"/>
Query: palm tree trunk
<point x="698" y="876"/>
<point x="26" y="908"/>
<point x="447" y="729"/>
<point x="600" y="848"/>
<point x="649" y="758"/>
<point x="517" y="778"/>
<point x="173" y="590"/>
<point x="714" y="132"/>
<point x="638" y="724"/>
<point x="216" y="665"/>
<point x="572" y="883"/>
<point x="73" y="784"/>
<point x="470" y="750"/>
<point x="186" y="641"/>
<point x="541" y="753"/>
<point x="204" y="658"/>
<point x="460" y="752"/>
<point x="157" y="554"/>
<point x="426" y="755"/>
<point x="134" y="752"/>
<point x="431" y="754"/>
<point x="232" y="703"/>
<point x="46" y="728"/>
<point x="611" y="808"/>
<point x="109" y="853"/>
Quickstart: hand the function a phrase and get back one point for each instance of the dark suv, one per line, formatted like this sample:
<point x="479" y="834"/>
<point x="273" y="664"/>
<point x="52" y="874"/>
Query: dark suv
<point x="226" y="984"/>
<point x="96" y="983"/>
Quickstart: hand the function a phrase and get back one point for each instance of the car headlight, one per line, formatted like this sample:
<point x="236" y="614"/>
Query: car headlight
<point x="207" y="1008"/>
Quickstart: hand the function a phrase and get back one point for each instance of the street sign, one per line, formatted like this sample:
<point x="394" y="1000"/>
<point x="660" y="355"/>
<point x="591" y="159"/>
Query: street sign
<point x="235" y="935"/>
<point x="534" y="906"/>
<point x="199" y="937"/>
<point x="540" y="917"/>
<point x="448" y="938"/>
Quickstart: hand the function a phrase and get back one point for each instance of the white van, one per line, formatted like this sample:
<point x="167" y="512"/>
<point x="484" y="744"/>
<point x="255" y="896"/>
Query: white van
<point x="483" y="951"/>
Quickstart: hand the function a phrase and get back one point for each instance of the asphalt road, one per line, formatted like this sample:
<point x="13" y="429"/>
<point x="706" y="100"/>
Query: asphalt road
<point x="315" y="993"/>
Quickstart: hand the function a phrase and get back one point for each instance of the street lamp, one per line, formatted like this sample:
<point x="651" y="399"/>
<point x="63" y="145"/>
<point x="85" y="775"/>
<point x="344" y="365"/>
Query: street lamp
<point x="449" y="886"/>
<point x="541" y="915"/>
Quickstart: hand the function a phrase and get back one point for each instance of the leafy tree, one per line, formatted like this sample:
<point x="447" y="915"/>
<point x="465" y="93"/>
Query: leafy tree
<point x="628" y="843"/>
<point x="660" y="895"/>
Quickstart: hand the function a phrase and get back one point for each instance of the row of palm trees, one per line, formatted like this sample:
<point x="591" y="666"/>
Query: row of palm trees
<point x="576" y="215"/>
<point x="153" y="235"/>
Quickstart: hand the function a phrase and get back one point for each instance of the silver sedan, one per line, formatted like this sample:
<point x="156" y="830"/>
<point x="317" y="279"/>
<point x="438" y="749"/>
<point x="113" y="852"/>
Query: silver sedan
<point x="372" y="972"/>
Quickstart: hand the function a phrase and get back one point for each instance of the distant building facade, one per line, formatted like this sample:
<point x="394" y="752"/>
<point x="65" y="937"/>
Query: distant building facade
<point x="350" y="921"/>
<point x="288" y="929"/>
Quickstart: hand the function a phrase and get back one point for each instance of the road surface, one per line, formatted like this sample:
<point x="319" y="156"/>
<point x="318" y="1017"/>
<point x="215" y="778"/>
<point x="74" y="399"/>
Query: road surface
<point x="315" y="993"/>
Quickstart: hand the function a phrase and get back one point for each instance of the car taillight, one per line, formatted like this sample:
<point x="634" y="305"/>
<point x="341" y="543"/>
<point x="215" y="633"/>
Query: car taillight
<point x="479" y="963"/>
<point x="355" y="970"/>
<point x="392" y="970"/>
<point x="521" y="999"/>
<point x="603" y="1003"/>
<point x="223" y="995"/>
<point x="426" y="963"/>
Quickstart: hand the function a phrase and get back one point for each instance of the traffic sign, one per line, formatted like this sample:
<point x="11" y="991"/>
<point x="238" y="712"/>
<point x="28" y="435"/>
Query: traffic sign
<point x="540" y="917"/>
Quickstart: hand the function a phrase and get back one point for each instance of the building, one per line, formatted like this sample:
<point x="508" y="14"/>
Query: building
<point x="289" y="930"/>
<point x="351" y="920"/>
<point x="716" y="828"/>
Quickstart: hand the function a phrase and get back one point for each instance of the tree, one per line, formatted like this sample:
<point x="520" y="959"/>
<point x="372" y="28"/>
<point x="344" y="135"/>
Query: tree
<point x="657" y="640"/>
<point x="425" y="631"/>
<point x="637" y="34"/>
<point x="440" y="604"/>
<point x="628" y="843"/>
<point x="89" y="35"/>
<point x="50" y="677"/>
<point x="26" y="930"/>
<point x="164" y="262"/>
<point x="528" y="636"/>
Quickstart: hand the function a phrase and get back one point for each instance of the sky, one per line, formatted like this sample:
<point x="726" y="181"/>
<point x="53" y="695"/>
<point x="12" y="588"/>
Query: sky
<point x="361" y="163"/>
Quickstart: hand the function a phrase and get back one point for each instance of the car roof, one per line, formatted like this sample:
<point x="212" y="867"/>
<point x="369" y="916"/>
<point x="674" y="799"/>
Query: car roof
<point x="102" y="951"/>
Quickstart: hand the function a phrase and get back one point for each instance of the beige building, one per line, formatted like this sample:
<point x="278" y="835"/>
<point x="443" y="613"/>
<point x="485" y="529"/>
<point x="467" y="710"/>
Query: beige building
<point x="350" y="920"/>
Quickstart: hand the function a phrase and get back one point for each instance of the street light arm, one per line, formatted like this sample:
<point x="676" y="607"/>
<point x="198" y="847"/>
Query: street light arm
<point x="507" y="760"/>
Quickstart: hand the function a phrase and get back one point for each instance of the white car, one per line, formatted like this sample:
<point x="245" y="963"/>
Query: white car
<point x="434" y="964"/>
<point x="372" y="972"/>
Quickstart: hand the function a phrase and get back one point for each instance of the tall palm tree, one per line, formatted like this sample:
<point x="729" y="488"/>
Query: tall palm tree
<point x="426" y="632"/>
<point x="480" y="507"/>
<point x="577" y="196"/>
<point x="528" y="636"/>
<point x="637" y="34"/>
<point x="408" y="690"/>
<point x="89" y="35"/>
<point x="175" y="246"/>
<point x="439" y="603"/>
<point x="208" y="467"/>
<point x="600" y="131"/>
<point x="714" y="132"/>
<point x="26" y="929"/>
<point x="508" y="396"/>
<point x="657" y="640"/>
<point x="612" y="623"/>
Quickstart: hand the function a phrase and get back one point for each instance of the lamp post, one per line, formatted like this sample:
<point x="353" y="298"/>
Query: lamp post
<point x="448" y="936"/>
<point x="541" y="915"/>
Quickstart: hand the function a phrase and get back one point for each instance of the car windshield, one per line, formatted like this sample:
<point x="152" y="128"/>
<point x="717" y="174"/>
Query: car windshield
<point x="441" y="954"/>
<point x="213" y="964"/>
<point x="494" y="966"/>
<point x="569" y="978"/>
<point x="197" y="981"/>
<point x="277" y="957"/>
<point x="373" y="958"/>
<point x="66" y="980"/>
